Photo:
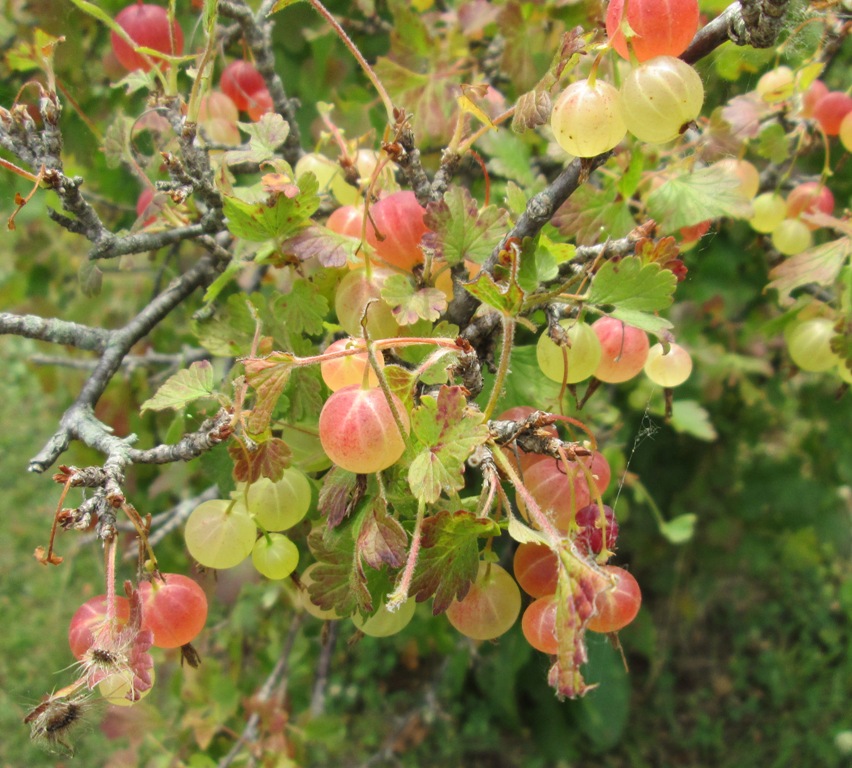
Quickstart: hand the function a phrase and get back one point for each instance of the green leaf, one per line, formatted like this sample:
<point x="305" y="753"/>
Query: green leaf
<point x="629" y="291"/>
<point x="305" y="394"/>
<point x="508" y="298"/>
<point x="449" y="557"/>
<point x="445" y="432"/>
<point x="591" y="215"/>
<point x="280" y="5"/>
<point x="33" y="55"/>
<point x="91" y="279"/>
<point x="691" y="418"/>
<point x="339" y="582"/>
<point x="277" y="217"/>
<point x="643" y="321"/>
<point x="267" y="134"/>
<point x="184" y="387"/>
<point x="409" y="304"/>
<point x="303" y="310"/>
<point x="459" y="230"/>
<point x="510" y="157"/>
<point x="523" y="534"/>
<point x="693" y="197"/>
<point x="679" y="529"/>
<point x="231" y="332"/>
<point x="774" y="144"/>
<point x="820" y="265"/>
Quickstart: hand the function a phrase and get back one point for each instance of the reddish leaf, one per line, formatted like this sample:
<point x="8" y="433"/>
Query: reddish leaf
<point x="268" y="459"/>
<point x="449" y="558"/>
<point x="340" y="493"/>
<point x="382" y="539"/>
<point x="268" y="376"/>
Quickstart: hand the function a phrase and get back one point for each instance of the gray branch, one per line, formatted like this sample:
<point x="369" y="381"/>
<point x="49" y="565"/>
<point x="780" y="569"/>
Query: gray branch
<point x="257" y="32"/>
<point x="78" y="422"/>
<point x="54" y="331"/>
<point x="751" y="22"/>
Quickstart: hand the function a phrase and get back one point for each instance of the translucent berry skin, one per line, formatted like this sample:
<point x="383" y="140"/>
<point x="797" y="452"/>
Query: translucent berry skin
<point x="587" y="118"/>
<point x="342" y="372"/>
<point x="174" y="609"/>
<point x="89" y="618"/>
<point x="809" y="344"/>
<point x="260" y="102"/>
<point x="810" y="197"/>
<point x="399" y="219"/>
<point x="668" y="370"/>
<point x="490" y="607"/>
<point x="624" y="350"/>
<point x="662" y="27"/>
<point x="148" y="27"/>
<point x="791" y="236"/>
<point x="660" y="97"/>
<point x="536" y="569"/>
<point x="617" y="604"/>
<point x="830" y="110"/>
<point x="539" y="624"/>
<point x="578" y="362"/>
<point x="240" y="80"/>
<point x="358" y="432"/>
<point x="554" y="491"/>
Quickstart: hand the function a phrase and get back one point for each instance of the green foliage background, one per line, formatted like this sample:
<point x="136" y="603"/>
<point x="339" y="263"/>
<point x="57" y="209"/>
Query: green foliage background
<point x="740" y="656"/>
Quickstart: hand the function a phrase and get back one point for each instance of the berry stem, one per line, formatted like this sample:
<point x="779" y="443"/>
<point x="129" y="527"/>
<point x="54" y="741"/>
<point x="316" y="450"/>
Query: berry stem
<point x="400" y="592"/>
<point x="509" y="325"/>
<point x="553" y="534"/>
<point x="353" y="49"/>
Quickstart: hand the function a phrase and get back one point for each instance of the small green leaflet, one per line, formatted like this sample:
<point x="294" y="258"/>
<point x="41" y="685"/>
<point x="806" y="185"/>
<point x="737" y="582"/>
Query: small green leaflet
<point x="446" y="432"/>
<point x="231" y="331"/>
<point x="690" y="417"/>
<point x="507" y="298"/>
<point x="267" y="134"/>
<point x="460" y="230"/>
<point x="278" y="217"/>
<point x="591" y="215"/>
<point x="696" y="196"/>
<point x="679" y="529"/>
<point x="183" y="388"/>
<point x="630" y="291"/>
<point x="774" y="144"/>
<point x="280" y="5"/>
<point x="820" y="265"/>
<point x="268" y="377"/>
<point x="449" y="557"/>
<point x="409" y="304"/>
<point x="302" y="310"/>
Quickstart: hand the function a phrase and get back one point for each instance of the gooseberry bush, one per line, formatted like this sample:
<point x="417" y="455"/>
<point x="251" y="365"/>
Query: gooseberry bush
<point x="401" y="320"/>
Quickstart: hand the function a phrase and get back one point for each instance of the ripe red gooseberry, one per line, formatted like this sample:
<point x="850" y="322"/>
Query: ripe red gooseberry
<point x="148" y="26"/>
<point x="661" y="27"/>
<point x="358" y="431"/>
<point x="174" y="609"/>
<point x="398" y="219"/>
<point x="617" y="604"/>
<point x="90" y="618"/>
<point x="239" y="81"/>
